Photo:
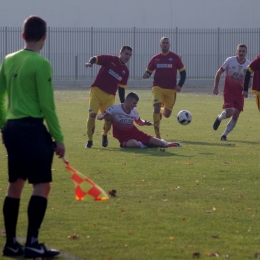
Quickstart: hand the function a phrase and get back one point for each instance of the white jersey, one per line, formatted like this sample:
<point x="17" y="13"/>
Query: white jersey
<point x="235" y="74"/>
<point x="123" y="122"/>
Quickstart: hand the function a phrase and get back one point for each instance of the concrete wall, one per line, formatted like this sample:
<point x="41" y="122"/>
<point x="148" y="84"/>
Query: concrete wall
<point x="135" y="13"/>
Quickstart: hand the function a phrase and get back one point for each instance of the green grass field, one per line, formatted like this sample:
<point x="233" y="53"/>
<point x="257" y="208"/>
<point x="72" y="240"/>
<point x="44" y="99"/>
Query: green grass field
<point x="202" y="197"/>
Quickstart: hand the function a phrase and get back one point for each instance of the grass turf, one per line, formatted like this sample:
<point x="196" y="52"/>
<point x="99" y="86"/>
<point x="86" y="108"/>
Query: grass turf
<point x="202" y="197"/>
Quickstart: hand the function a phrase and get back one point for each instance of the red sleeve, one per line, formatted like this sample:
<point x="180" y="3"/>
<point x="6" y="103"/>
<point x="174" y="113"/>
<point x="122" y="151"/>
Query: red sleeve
<point x="151" y="66"/>
<point x="255" y="64"/>
<point x="103" y="59"/>
<point x="180" y="65"/>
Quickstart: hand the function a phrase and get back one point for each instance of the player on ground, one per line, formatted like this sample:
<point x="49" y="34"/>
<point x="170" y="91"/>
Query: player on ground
<point x="235" y="68"/>
<point x="112" y="75"/>
<point x="123" y="117"/>
<point x="26" y="79"/>
<point x="253" y="67"/>
<point x="165" y="64"/>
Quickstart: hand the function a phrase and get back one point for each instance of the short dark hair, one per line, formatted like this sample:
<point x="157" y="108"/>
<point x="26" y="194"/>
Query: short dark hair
<point x="126" y="47"/>
<point x="132" y="95"/>
<point x="34" y="28"/>
<point x="241" y="45"/>
<point x="164" y="38"/>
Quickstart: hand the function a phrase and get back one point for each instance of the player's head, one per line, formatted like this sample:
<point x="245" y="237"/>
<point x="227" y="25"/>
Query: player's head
<point x="241" y="51"/>
<point x="34" y="29"/>
<point x="165" y="44"/>
<point x="125" y="53"/>
<point x="131" y="100"/>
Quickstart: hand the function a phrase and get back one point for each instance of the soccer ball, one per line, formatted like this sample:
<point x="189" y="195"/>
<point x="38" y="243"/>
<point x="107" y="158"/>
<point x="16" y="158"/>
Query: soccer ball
<point x="184" y="117"/>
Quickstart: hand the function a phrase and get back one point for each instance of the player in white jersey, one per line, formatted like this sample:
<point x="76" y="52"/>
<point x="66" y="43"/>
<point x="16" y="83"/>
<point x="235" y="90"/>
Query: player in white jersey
<point x="235" y="68"/>
<point x="123" y="117"/>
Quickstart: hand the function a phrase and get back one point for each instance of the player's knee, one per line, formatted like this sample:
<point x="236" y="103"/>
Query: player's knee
<point x="167" y="115"/>
<point x="132" y="144"/>
<point x="92" y="115"/>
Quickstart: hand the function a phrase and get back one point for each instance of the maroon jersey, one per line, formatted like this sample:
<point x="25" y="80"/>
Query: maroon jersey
<point x="165" y="67"/>
<point x="254" y="67"/>
<point x="112" y="74"/>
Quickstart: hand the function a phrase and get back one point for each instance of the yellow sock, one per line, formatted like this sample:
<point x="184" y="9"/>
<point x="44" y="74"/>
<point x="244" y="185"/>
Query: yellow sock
<point x="156" y="121"/>
<point x="90" y="128"/>
<point x="106" y="127"/>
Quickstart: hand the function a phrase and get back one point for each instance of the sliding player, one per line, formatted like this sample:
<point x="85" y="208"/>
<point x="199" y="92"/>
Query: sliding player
<point x="123" y="117"/>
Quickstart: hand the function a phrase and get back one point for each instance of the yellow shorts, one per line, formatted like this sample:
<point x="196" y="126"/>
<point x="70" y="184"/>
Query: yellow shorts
<point x="257" y="98"/>
<point x="166" y="97"/>
<point x="99" y="100"/>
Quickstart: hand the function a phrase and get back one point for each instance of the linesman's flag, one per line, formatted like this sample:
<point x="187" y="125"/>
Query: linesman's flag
<point x="84" y="187"/>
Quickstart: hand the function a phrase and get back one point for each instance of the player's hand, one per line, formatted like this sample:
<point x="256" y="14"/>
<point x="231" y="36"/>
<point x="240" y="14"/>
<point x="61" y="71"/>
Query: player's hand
<point x="178" y="89"/>
<point x="146" y="75"/>
<point x="59" y="149"/>
<point x="107" y="117"/>
<point x="88" y="64"/>
<point x="245" y="94"/>
<point x="215" y="91"/>
<point x="148" y="123"/>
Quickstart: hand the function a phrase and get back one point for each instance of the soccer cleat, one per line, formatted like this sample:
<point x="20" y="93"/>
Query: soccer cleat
<point x="13" y="250"/>
<point x="216" y="123"/>
<point x="89" y="144"/>
<point x="223" y="138"/>
<point x="39" y="250"/>
<point x="174" y="144"/>
<point x="104" y="141"/>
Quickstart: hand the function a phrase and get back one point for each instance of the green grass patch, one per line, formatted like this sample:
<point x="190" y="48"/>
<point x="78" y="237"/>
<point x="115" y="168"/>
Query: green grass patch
<point x="203" y="197"/>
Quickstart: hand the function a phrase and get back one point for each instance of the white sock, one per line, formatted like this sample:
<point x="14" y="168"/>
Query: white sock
<point x="222" y="115"/>
<point x="165" y="143"/>
<point x="230" y="125"/>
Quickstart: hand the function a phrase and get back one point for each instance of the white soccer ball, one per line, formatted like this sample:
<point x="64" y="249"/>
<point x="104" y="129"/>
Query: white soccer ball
<point x="184" y="117"/>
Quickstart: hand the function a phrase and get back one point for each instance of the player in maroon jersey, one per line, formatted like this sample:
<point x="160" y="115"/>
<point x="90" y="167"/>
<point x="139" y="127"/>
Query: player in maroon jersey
<point x="165" y="64"/>
<point x="112" y="76"/>
<point x="253" y="67"/>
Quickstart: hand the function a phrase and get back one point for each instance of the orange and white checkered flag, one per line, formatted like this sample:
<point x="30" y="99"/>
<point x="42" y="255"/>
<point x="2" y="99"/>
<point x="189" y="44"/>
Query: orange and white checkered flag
<point x="84" y="187"/>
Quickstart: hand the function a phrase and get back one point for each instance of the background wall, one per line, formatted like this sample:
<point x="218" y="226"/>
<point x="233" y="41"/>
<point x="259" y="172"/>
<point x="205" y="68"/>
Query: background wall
<point x="135" y="13"/>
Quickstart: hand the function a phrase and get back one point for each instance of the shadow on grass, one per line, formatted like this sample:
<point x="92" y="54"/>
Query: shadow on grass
<point x="161" y="152"/>
<point x="208" y="143"/>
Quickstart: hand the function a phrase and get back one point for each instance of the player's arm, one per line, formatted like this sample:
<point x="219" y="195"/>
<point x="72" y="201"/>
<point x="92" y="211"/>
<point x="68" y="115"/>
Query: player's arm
<point x="247" y="81"/>
<point x="142" y="122"/>
<point x="147" y="74"/>
<point x="3" y="92"/>
<point x="91" y="61"/>
<point x="121" y="93"/>
<point x="216" y="80"/>
<point x="105" y="116"/>
<point x="182" y="79"/>
<point x="247" y="78"/>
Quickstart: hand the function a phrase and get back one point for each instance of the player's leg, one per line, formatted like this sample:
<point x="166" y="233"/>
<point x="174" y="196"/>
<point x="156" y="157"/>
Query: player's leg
<point x="257" y="100"/>
<point x="238" y="107"/>
<point x="39" y="175"/>
<point x="155" y="142"/>
<point x="10" y="212"/>
<point x="132" y="143"/>
<point x="14" y="140"/>
<point x="157" y="102"/>
<point x="94" y="104"/>
<point x="169" y="101"/>
<point x="109" y="101"/>
<point x="228" y="112"/>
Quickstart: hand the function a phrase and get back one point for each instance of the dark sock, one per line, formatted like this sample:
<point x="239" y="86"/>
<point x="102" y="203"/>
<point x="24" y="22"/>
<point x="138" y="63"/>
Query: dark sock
<point x="10" y="211"/>
<point x="36" y="211"/>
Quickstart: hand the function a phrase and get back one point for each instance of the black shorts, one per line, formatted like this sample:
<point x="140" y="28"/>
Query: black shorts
<point x="30" y="150"/>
